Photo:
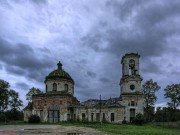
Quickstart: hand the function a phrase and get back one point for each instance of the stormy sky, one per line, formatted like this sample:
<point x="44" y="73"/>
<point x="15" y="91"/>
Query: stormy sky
<point x="89" y="37"/>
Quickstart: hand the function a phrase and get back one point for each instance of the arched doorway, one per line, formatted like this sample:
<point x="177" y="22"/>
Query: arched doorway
<point x="132" y="114"/>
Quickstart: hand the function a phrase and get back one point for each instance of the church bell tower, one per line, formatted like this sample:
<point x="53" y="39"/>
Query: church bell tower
<point x="130" y="85"/>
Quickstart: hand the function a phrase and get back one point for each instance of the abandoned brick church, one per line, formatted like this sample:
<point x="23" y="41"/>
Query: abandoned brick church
<point x="59" y="104"/>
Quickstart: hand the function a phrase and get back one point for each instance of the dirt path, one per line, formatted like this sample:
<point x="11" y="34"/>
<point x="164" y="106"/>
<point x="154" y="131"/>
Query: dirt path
<point x="47" y="130"/>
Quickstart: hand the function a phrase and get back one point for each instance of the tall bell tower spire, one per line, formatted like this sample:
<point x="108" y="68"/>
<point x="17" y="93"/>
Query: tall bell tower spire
<point x="130" y="85"/>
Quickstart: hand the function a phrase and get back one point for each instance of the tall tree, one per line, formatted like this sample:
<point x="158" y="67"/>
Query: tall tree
<point x="173" y="92"/>
<point x="4" y="95"/>
<point x="149" y="89"/>
<point x="14" y="102"/>
<point x="31" y="92"/>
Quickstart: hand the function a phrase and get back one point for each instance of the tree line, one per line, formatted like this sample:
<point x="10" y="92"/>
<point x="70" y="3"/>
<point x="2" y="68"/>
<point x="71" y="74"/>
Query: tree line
<point x="169" y="113"/>
<point x="9" y="103"/>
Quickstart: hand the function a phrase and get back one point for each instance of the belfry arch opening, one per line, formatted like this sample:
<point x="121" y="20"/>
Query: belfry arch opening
<point x="132" y="70"/>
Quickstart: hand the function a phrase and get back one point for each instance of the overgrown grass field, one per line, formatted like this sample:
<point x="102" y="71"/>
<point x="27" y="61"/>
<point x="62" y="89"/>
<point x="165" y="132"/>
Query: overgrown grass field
<point x="128" y="129"/>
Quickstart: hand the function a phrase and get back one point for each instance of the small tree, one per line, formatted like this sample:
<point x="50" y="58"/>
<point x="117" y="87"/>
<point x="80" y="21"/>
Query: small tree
<point x="9" y="99"/>
<point x="149" y="89"/>
<point x="173" y="92"/>
<point x="31" y="92"/>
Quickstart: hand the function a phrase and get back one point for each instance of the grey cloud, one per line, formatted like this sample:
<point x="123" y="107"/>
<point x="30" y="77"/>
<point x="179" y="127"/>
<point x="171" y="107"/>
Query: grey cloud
<point x="91" y="74"/>
<point x="80" y="84"/>
<point x="39" y="1"/>
<point x="14" y="70"/>
<point x="156" y="13"/>
<point x="151" y="67"/>
<point x="104" y="80"/>
<point x="124" y="9"/>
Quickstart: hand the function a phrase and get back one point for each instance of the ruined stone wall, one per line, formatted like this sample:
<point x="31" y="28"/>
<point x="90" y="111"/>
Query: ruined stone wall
<point x="41" y="105"/>
<point x="92" y="112"/>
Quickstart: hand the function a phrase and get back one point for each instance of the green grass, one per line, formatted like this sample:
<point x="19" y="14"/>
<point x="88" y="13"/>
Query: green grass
<point x="128" y="129"/>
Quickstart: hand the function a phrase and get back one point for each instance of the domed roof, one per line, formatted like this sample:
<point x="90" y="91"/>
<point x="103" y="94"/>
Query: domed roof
<point x="59" y="74"/>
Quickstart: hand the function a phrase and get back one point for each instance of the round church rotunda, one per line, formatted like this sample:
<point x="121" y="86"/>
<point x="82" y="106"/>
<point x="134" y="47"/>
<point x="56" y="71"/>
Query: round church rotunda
<point x="59" y="81"/>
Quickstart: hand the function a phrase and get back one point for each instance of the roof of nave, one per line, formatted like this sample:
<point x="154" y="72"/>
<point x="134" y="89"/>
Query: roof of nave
<point x="29" y="106"/>
<point x="95" y="103"/>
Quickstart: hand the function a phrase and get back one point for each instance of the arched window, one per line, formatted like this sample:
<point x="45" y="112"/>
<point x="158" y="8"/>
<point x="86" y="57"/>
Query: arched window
<point x="66" y="87"/>
<point x="132" y="70"/>
<point x="54" y="87"/>
<point x="132" y="103"/>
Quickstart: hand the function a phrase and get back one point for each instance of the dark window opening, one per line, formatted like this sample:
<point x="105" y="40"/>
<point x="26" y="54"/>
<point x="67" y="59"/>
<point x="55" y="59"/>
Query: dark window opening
<point x="132" y="103"/>
<point x="68" y="116"/>
<point x="112" y="117"/>
<point x="97" y="116"/>
<point x="92" y="117"/>
<point x="66" y="87"/>
<point x="104" y="118"/>
<point x="83" y="116"/>
<point x="54" y="87"/>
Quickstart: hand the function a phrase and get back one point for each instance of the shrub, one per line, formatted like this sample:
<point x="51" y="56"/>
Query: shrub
<point x="34" y="119"/>
<point x="139" y="119"/>
<point x="124" y="122"/>
<point x="104" y="121"/>
<point x="2" y="117"/>
<point x="85" y="121"/>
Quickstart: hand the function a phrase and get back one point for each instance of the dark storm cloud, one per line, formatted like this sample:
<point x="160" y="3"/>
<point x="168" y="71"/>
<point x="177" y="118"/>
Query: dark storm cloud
<point x="14" y="69"/>
<point x="22" y="85"/>
<point x="21" y="59"/>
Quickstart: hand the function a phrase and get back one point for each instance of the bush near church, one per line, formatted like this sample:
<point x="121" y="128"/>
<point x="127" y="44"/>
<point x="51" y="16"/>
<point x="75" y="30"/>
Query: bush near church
<point x="139" y="119"/>
<point x="34" y="119"/>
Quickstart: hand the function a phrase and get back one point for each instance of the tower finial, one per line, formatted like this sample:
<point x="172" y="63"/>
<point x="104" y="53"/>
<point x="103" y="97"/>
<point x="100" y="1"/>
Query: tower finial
<point x="59" y="66"/>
